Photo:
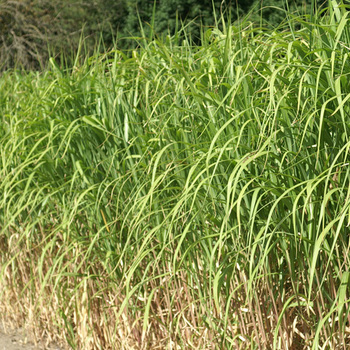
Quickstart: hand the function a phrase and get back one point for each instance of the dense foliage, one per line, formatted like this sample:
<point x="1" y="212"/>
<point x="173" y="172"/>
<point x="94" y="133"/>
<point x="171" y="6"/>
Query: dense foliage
<point x="183" y="196"/>
<point x="33" y="30"/>
<point x="167" y="12"/>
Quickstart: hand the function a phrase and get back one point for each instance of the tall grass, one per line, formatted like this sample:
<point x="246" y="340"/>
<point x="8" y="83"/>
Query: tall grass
<point x="184" y="196"/>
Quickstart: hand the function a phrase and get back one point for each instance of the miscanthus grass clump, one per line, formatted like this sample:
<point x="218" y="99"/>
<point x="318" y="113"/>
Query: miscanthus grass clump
<point x="183" y="197"/>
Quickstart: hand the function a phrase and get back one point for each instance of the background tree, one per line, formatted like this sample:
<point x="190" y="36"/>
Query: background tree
<point x="32" y="30"/>
<point x="167" y="12"/>
<point x="194" y="13"/>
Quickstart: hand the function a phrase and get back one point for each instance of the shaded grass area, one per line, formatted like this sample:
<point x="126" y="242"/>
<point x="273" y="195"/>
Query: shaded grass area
<point x="184" y="196"/>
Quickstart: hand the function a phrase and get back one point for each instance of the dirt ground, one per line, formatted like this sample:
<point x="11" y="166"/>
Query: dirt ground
<point x="17" y="340"/>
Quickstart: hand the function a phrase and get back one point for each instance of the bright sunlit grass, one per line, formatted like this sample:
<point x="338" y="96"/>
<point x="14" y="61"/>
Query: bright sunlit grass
<point x="183" y="196"/>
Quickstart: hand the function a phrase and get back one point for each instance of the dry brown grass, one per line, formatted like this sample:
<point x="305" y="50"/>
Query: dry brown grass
<point x="82" y="311"/>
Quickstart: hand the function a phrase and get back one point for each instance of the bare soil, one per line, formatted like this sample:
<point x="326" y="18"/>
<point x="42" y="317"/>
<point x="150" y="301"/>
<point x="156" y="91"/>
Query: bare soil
<point x="17" y="340"/>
